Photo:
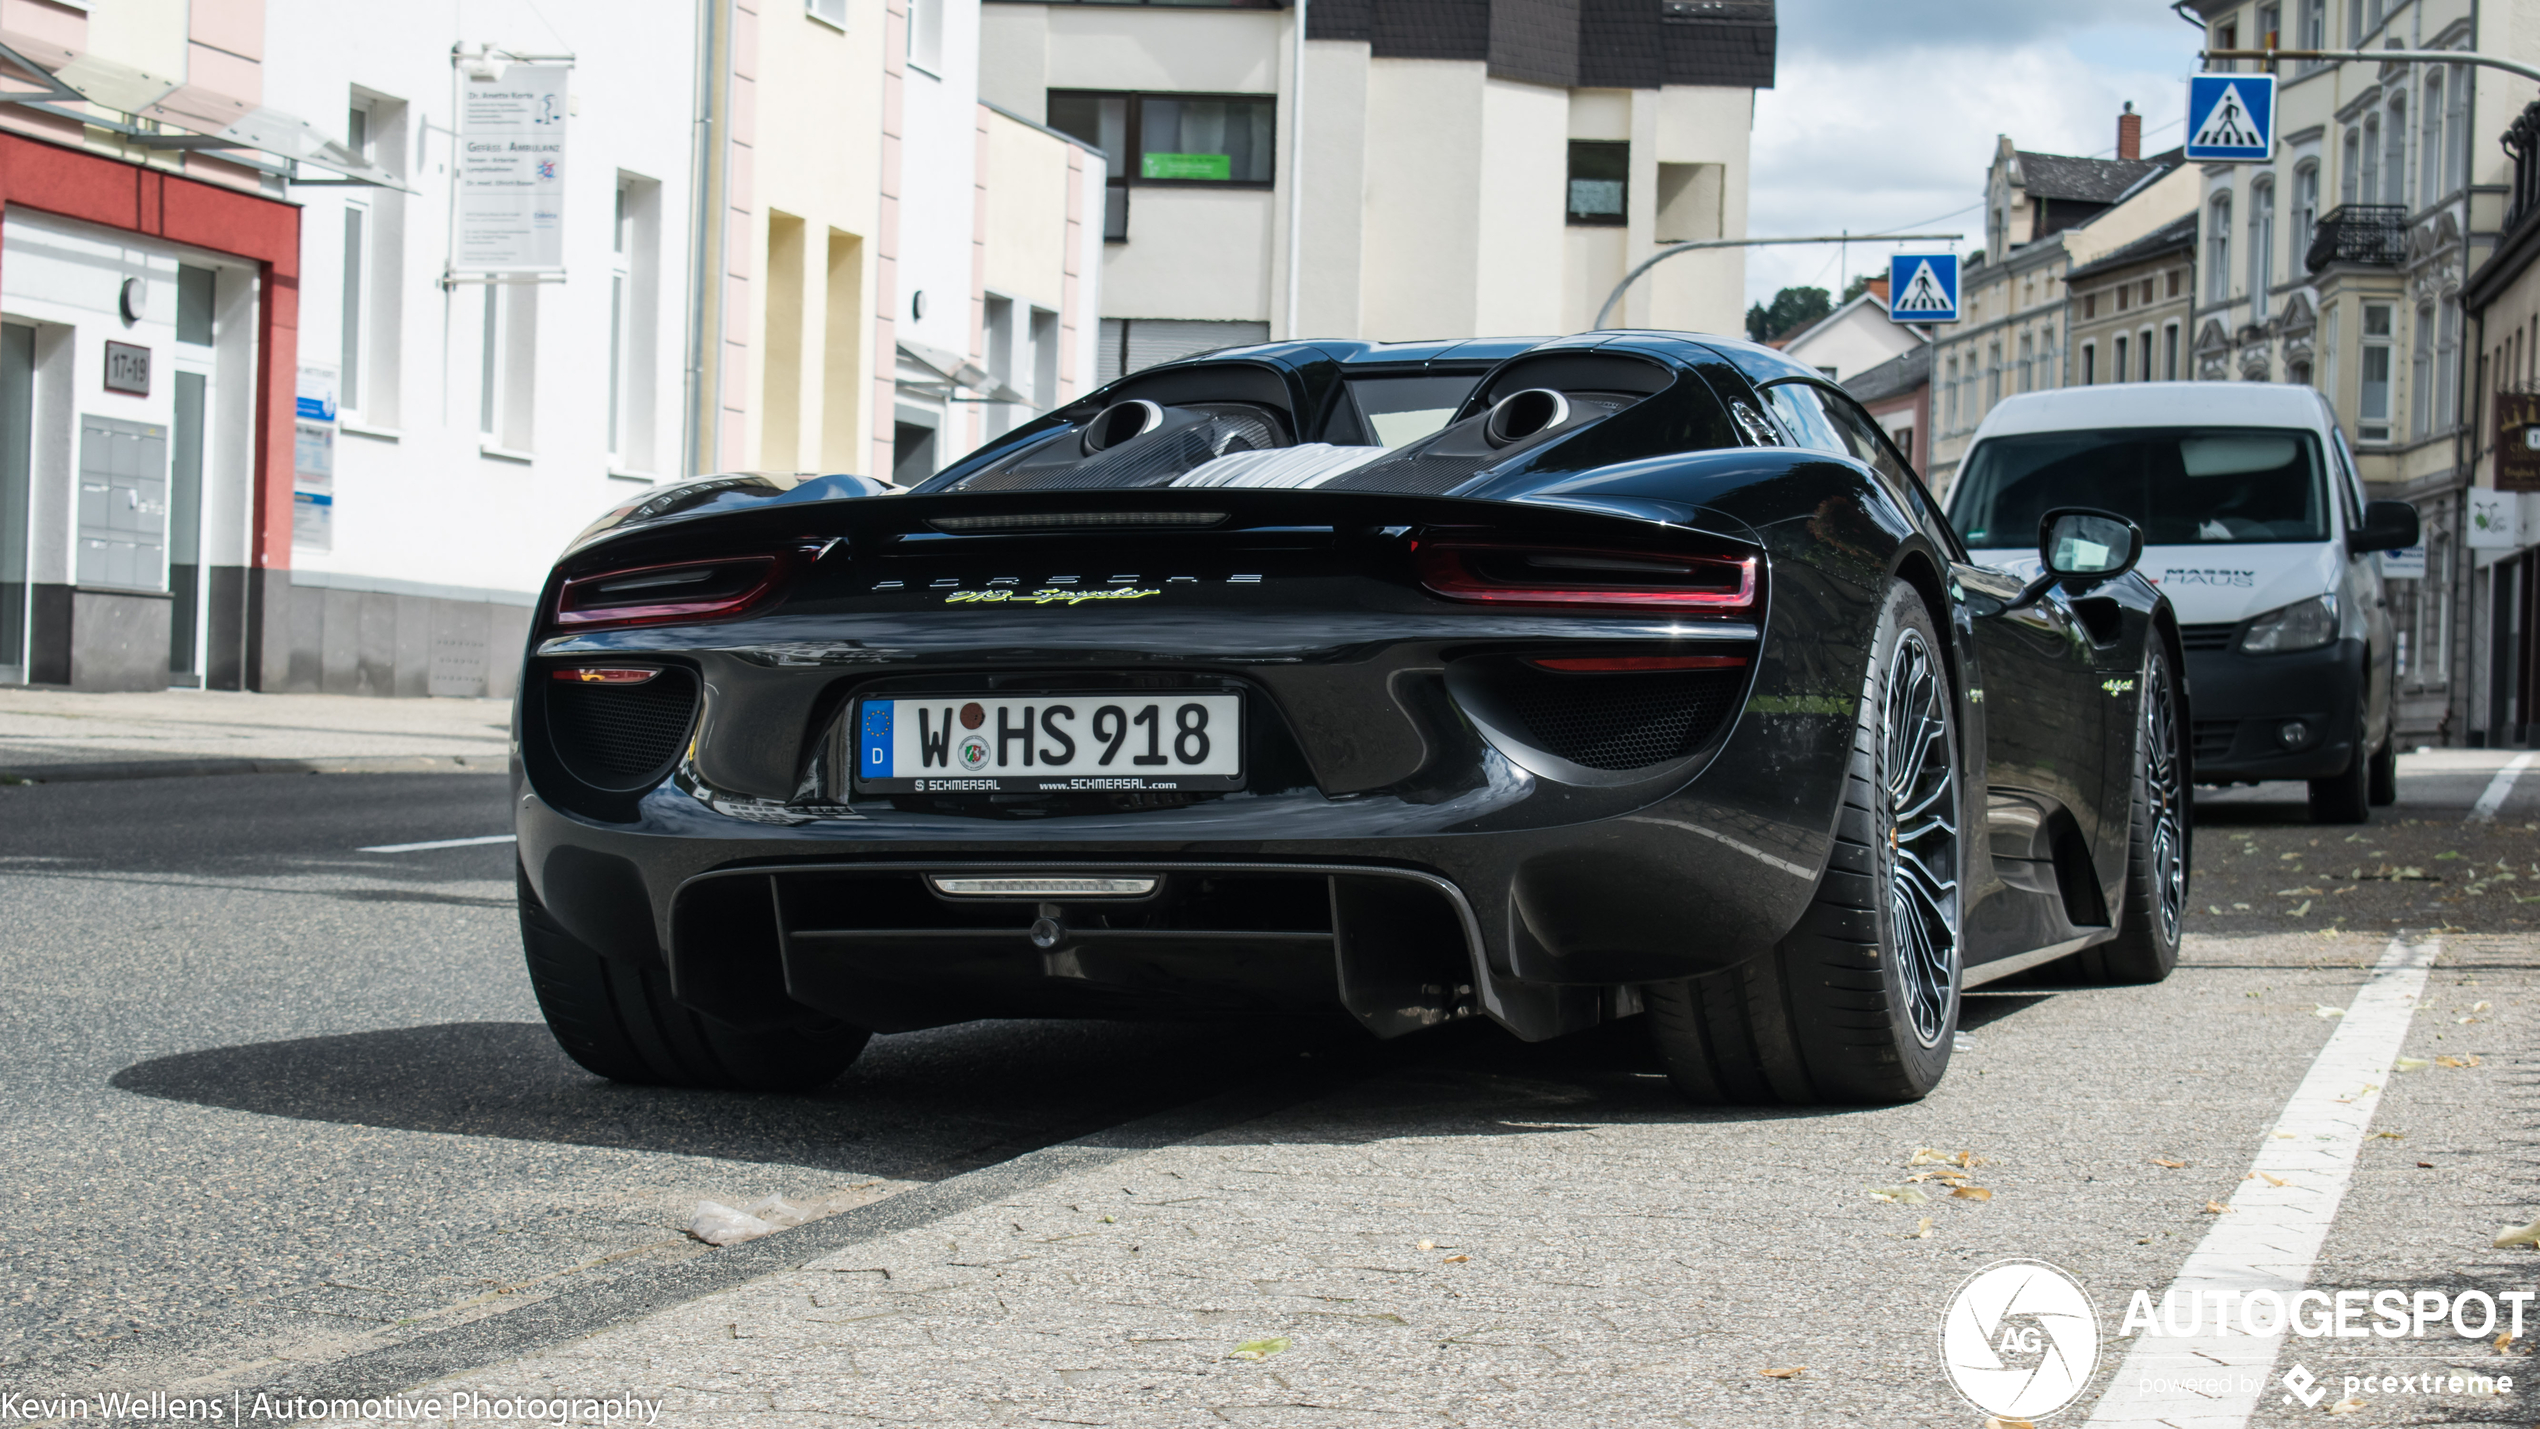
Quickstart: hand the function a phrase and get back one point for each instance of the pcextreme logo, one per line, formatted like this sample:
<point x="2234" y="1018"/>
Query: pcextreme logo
<point x="2020" y="1339"/>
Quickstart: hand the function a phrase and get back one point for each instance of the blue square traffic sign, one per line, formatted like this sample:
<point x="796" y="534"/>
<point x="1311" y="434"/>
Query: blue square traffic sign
<point x="1922" y="287"/>
<point x="2231" y="118"/>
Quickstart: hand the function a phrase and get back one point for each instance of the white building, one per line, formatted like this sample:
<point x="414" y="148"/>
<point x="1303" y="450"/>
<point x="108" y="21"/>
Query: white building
<point x="1854" y="337"/>
<point x="1491" y="169"/>
<point x="483" y="413"/>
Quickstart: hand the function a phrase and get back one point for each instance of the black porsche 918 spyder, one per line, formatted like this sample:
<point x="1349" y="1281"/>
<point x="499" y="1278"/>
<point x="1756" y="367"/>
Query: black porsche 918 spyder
<point x="1632" y="673"/>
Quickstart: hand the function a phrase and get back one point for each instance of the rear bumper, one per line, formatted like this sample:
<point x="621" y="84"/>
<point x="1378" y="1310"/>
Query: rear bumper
<point x="2241" y="703"/>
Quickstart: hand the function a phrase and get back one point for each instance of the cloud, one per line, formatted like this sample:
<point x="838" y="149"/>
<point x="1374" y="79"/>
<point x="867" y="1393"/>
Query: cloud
<point x="1865" y="133"/>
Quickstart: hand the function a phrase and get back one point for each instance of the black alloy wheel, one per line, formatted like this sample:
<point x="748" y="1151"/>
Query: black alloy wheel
<point x="2160" y="836"/>
<point x="1859" y="1003"/>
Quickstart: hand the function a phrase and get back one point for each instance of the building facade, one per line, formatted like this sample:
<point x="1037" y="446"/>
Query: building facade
<point x="2340" y="264"/>
<point x="2129" y="310"/>
<point x="1589" y="135"/>
<point x="2044" y="214"/>
<point x="2501" y="305"/>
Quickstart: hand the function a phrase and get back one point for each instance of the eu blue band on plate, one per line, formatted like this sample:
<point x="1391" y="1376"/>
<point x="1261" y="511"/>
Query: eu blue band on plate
<point x="876" y="760"/>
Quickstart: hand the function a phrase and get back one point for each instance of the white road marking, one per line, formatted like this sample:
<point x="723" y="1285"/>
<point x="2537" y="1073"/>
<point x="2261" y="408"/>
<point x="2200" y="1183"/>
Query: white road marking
<point x="2273" y="1233"/>
<point x="2484" y="811"/>
<point x="438" y="843"/>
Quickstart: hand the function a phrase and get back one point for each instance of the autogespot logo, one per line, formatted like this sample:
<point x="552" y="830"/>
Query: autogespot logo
<point x="2020" y="1339"/>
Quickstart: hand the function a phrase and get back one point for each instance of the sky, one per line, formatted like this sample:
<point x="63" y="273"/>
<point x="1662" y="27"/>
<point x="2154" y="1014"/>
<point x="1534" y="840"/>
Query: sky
<point x="1883" y="114"/>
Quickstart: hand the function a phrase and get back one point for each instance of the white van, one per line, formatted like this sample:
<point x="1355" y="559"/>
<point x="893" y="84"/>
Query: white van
<point x="2256" y="528"/>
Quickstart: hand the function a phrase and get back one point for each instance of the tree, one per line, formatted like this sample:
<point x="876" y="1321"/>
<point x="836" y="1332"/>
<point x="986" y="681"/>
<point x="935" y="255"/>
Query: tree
<point x="1791" y="310"/>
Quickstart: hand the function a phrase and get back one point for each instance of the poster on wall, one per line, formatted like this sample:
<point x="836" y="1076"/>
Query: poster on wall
<point x="313" y="460"/>
<point x="511" y="172"/>
<point x="2495" y="520"/>
<point x="2517" y="441"/>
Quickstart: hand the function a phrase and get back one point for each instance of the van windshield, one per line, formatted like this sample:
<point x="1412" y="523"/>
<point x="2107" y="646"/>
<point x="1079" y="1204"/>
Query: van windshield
<point x="2183" y="485"/>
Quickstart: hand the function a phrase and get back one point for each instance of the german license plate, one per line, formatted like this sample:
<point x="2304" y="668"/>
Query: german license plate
<point x="1058" y="743"/>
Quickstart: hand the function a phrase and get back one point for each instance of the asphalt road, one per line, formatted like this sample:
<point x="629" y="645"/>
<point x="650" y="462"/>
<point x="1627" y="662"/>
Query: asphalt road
<point x="277" y="1105"/>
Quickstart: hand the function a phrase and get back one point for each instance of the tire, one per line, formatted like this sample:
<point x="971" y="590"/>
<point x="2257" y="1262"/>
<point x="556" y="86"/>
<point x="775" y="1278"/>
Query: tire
<point x="2346" y="798"/>
<point x="2382" y="791"/>
<point x="618" y="1020"/>
<point x="1859" y="1004"/>
<point x="2159" y="842"/>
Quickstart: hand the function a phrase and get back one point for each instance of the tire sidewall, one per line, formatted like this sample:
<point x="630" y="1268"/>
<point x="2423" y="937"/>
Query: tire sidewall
<point x="1923" y="1066"/>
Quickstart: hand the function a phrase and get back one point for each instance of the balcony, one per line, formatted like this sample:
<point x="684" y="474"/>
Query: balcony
<point x="2375" y="233"/>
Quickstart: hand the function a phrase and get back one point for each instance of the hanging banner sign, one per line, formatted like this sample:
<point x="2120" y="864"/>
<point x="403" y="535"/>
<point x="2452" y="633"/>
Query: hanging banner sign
<point x="2517" y="441"/>
<point x="511" y="172"/>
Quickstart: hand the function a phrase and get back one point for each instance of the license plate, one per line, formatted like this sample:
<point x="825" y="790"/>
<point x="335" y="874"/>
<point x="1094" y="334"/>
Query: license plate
<point x="1057" y="743"/>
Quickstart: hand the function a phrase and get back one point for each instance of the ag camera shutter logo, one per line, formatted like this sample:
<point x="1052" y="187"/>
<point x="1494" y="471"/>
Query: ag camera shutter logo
<point x="2020" y="1339"/>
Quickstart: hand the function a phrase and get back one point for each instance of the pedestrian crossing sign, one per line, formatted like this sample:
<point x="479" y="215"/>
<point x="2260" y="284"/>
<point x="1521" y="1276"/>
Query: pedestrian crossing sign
<point x="2230" y="118"/>
<point x="1922" y="287"/>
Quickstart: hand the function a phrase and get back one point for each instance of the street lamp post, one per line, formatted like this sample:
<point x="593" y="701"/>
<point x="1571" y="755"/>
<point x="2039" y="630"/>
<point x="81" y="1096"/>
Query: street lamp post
<point x="1671" y="250"/>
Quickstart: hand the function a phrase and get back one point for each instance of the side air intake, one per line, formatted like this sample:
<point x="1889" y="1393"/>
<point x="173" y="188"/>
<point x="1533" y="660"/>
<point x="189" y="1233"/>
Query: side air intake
<point x="620" y="735"/>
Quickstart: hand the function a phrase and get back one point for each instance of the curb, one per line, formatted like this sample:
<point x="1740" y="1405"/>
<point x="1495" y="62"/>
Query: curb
<point x="192" y="768"/>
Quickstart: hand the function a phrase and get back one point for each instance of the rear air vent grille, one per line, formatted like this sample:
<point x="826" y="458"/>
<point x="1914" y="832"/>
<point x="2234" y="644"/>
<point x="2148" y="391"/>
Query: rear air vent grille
<point x="2206" y="637"/>
<point x="1625" y="721"/>
<point x="621" y="736"/>
<point x="2214" y="737"/>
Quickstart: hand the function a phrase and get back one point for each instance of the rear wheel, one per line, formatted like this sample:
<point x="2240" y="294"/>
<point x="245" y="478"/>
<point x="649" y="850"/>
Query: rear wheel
<point x="2346" y="798"/>
<point x="2157" y="851"/>
<point x="1860" y="1002"/>
<point x="2384" y="789"/>
<point x="619" y="1020"/>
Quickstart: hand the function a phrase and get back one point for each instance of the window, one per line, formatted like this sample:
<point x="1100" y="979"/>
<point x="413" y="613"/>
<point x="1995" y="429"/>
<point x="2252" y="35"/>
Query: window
<point x="634" y="324"/>
<point x="348" y="375"/>
<point x="2116" y="363"/>
<point x="2306" y="204"/>
<point x="2169" y="353"/>
<point x="2314" y="27"/>
<point x="828" y="12"/>
<point x="2421" y="375"/>
<point x="2143" y="347"/>
<point x="2447" y="366"/>
<point x="2368" y="176"/>
<point x="2348" y="174"/>
<point x="1044" y="359"/>
<point x="1992" y="375"/>
<point x="2430" y="142"/>
<point x="2218" y="248"/>
<point x="1169" y="140"/>
<point x="1600" y="181"/>
<point x="2028" y="360"/>
<point x="1949" y="393"/>
<point x="2270" y="30"/>
<point x="926" y="35"/>
<point x="2372" y="408"/>
<point x="2328" y="352"/>
<point x="2394" y="157"/>
<point x="2261" y="247"/>
<point x="2456" y="131"/>
<point x="2089" y="363"/>
<point x="2183" y="485"/>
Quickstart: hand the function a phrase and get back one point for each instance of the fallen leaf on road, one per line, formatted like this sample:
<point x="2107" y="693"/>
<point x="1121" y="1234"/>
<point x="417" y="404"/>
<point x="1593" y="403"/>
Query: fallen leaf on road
<point x="2324" y="1010"/>
<point x="2165" y="1161"/>
<point x="2270" y="1180"/>
<point x="2481" y="1007"/>
<point x="2425" y="1165"/>
<point x="1899" y="1195"/>
<point x="1455" y="1260"/>
<point x="2504" y="1342"/>
<point x="2296" y="892"/>
<point x="1923" y="1231"/>
<point x="2411" y="1064"/>
<point x="1259" y="1349"/>
<point x="2386" y="1136"/>
<point x="2216" y="1208"/>
<point x="1426" y="1245"/>
<point x="2347" y="1406"/>
<point x="2518" y="1235"/>
<point x="1971" y="1193"/>
<point x="2456" y="1061"/>
<point x="1926" y="1156"/>
<point x="2299" y="911"/>
<point x="1794" y="1372"/>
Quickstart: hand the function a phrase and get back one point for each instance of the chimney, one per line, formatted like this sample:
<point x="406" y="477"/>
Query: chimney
<point x="2129" y="133"/>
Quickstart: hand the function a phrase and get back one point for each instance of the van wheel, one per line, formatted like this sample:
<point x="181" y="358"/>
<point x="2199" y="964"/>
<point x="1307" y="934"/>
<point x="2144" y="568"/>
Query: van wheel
<point x="2384" y="790"/>
<point x="2346" y="798"/>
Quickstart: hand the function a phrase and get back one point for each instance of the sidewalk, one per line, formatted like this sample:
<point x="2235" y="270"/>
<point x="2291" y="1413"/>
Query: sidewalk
<point x="53" y="735"/>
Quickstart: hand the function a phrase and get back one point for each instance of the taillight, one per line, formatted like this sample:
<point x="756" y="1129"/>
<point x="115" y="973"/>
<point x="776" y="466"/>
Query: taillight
<point x="658" y="595"/>
<point x="1613" y="578"/>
